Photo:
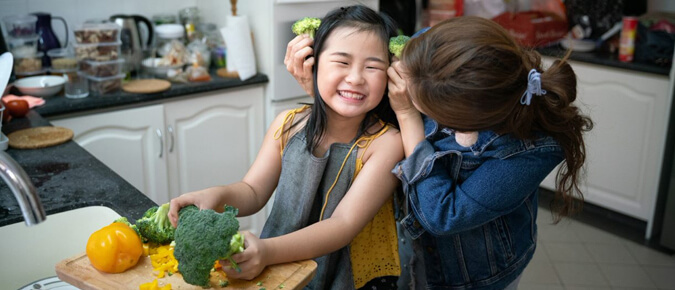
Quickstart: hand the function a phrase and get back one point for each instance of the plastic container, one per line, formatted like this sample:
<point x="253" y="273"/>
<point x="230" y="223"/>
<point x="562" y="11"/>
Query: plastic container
<point x="20" y="26"/>
<point x="28" y="64"/>
<point x="104" y="85"/>
<point x="98" y="51"/>
<point x="107" y="32"/>
<point x="101" y="68"/>
<point x="62" y="58"/>
<point x="23" y="47"/>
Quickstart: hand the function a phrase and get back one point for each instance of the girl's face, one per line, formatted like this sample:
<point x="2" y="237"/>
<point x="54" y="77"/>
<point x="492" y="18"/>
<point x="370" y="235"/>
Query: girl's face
<point x="352" y="71"/>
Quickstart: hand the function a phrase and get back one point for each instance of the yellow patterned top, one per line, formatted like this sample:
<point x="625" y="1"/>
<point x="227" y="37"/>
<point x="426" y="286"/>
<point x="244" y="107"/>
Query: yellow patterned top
<point x="374" y="251"/>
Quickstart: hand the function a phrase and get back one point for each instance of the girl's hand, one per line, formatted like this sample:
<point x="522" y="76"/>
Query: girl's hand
<point x="398" y="91"/>
<point x="251" y="261"/>
<point x="203" y="199"/>
<point x="299" y="61"/>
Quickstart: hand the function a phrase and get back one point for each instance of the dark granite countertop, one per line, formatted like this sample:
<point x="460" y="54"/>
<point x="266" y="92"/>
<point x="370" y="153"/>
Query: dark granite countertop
<point x="606" y="59"/>
<point x="60" y="105"/>
<point x="67" y="176"/>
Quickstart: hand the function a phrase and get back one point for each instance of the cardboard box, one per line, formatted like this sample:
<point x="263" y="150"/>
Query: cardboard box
<point x="533" y="28"/>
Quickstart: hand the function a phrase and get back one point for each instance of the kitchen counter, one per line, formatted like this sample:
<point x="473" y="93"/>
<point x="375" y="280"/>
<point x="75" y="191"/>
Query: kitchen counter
<point x="67" y="176"/>
<point x="606" y="59"/>
<point x="60" y="105"/>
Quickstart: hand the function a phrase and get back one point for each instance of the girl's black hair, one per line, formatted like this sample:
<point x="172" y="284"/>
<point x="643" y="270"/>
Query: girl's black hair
<point x="363" y="19"/>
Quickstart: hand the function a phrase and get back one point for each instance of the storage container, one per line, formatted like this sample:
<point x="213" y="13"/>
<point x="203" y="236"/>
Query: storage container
<point x="98" y="51"/>
<point x="101" y="68"/>
<point x="62" y="58"/>
<point x="104" y="85"/>
<point x="108" y="32"/>
<point x="28" y="64"/>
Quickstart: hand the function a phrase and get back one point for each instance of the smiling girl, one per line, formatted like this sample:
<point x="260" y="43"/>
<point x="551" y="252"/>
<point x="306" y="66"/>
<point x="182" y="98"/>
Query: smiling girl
<point x="330" y="165"/>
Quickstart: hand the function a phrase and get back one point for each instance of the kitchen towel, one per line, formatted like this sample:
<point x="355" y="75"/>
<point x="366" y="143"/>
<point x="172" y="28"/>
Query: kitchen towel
<point x="240" y="56"/>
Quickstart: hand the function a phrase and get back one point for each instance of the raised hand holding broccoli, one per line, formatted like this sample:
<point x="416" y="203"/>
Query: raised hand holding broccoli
<point x="203" y="237"/>
<point x="307" y="25"/>
<point x="397" y="43"/>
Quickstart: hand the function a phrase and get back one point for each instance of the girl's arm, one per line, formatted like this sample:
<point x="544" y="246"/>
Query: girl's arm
<point x="251" y="193"/>
<point x="409" y="118"/>
<point x="370" y="190"/>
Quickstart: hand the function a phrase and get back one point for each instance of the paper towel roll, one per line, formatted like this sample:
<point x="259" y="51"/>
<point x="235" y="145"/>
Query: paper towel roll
<point x="240" y="54"/>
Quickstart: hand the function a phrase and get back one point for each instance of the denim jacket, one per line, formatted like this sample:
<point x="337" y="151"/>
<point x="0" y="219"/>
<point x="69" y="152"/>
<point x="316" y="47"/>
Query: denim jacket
<point x="472" y="210"/>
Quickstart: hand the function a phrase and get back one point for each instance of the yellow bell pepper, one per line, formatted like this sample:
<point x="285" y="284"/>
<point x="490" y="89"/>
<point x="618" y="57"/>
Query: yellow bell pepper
<point x="114" y="248"/>
<point x="154" y="285"/>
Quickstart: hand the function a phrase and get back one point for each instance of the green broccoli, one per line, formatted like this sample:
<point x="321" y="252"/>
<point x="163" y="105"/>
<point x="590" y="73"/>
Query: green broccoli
<point x="155" y="225"/>
<point x="307" y="25"/>
<point x="397" y="43"/>
<point x="203" y="237"/>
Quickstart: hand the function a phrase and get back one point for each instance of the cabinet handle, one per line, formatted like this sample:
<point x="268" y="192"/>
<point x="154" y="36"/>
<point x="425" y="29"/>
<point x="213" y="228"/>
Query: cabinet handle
<point x="170" y="130"/>
<point x="161" y="142"/>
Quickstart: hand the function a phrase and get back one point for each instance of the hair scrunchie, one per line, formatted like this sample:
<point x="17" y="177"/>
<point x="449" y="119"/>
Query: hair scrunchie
<point x="533" y="87"/>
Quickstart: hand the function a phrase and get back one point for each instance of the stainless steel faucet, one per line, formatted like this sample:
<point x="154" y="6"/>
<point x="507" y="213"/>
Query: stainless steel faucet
<point x="24" y="191"/>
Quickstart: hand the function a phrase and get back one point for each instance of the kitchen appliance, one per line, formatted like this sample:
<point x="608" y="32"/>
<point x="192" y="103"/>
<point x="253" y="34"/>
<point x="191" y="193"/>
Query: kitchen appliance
<point x="46" y="37"/>
<point x="132" y="43"/>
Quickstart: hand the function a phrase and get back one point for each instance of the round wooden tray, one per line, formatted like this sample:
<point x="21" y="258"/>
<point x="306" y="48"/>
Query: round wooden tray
<point x="146" y="86"/>
<point x="39" y="137"/>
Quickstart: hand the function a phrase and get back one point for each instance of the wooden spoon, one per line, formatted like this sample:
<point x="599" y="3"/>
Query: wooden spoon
<point x="233" y="3"/>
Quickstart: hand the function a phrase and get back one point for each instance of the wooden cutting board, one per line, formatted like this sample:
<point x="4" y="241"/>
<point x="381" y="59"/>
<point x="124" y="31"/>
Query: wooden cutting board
<point x="39" y="137"/>
<point x="146" y="86"/>
<point x="79" y="272"/>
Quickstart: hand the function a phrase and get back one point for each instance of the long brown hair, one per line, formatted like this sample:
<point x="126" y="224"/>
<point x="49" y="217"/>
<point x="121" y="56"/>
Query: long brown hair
<point x="469" y="74"/>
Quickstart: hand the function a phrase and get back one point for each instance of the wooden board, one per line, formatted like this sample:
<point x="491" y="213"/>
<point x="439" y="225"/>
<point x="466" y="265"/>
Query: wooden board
<point x="146" y="86"/>
<point x="39" y="137"/>
<point x="79" y="272"/>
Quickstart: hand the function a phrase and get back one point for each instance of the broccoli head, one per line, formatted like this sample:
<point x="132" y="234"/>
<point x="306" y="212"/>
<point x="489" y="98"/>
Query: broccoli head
<point x="307" y="25"/>
<point x="203" y="237"/>
<point x="155" y="225"/>
<point x="397" y="43"/>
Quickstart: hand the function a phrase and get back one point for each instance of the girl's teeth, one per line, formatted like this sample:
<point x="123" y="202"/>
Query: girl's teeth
<point x="351" y="95"/>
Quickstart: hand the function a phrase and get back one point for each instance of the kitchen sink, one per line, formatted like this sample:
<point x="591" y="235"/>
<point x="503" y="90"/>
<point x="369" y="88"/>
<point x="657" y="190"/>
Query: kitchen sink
<point x="29" y="254"/>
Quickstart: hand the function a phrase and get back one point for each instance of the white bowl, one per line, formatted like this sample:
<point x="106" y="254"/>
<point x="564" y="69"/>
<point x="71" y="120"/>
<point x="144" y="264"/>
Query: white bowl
<point x="40" y="86"/>
<point x="150" y="66"/>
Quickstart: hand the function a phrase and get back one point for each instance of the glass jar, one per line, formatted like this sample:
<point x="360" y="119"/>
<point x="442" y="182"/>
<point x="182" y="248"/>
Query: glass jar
<point x="166" y="35"/>
<point x="190" y="18"/>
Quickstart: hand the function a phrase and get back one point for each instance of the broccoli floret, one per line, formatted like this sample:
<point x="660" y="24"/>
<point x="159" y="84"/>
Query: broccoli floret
<point x="125" y="221"/>
<point x="203" y="237"/>
<point x="307" y="25"/>
<point x="397" y="43"/>
<point x="155" y="225"/>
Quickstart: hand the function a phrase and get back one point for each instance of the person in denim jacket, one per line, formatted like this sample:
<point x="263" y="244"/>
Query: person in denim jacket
<point x="482" y="125"/>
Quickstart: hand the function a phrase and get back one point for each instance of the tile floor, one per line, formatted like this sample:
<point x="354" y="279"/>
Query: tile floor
<point x="573" y="256"/>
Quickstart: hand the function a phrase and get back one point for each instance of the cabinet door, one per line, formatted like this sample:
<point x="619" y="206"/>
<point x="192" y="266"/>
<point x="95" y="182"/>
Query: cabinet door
<point x="127" y="141"/>
<point x="624" y="149"/>
<point x="215" y="139"/>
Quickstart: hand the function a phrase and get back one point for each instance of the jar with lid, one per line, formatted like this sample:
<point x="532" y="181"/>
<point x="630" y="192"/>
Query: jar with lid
<point x="170" y="43"/>
<point x="190" y="18"/>
<point x="166" y="35"/>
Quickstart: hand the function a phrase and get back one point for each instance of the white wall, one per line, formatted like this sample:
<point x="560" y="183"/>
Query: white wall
<point x="660" y="5"/>
<point x="77" y="11"/>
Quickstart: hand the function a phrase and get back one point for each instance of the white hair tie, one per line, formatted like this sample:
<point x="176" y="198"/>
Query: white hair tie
<point x="533" y="87"/>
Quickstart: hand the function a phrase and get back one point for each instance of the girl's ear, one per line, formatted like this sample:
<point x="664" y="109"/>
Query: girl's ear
<point x="466" y="139"/>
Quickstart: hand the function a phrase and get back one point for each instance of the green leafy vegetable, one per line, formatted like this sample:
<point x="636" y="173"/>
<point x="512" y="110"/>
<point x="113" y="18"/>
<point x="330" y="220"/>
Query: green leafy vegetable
<point x="203" y="237"/>
<point x="307" y="25"/>
<point x="155" y="225"/>
<point x="397" y="43"/>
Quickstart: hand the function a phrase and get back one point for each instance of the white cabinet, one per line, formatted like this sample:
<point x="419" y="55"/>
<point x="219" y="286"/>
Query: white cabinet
<point x="630" y="111"/>
<point x="130" y="143"/>
<point x="168" y="149"/>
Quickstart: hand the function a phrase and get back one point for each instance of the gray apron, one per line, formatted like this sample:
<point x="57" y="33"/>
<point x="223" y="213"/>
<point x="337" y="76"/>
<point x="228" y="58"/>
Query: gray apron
<point x="300" y="194"/>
